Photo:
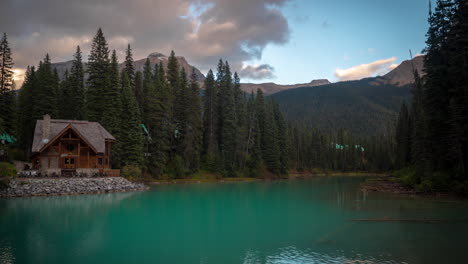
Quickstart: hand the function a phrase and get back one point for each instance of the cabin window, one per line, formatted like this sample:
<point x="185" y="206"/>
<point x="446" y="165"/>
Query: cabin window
<point x="107" y="148"/>
<point x="100" y="161"/>
<point x="105" y="161"/>
<point x="70" y="147"/>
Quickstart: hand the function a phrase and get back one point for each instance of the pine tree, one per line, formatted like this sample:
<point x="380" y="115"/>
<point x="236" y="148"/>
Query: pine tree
<point x="76" y="106"/>
<point x="148" y="103"/>
<point x="403" y="137"/>
<point x="194" y="128"/>
<point x="271" y="151"/>
<point x="419" y="142"/>
<point x="181" y="121"/>
<point x="98" y="79"/>
<point x="261" y="118"/>
<point x="173" y="71"/>
<point x="138" y="89"/>
<point x="7" y="96"/>
<point x="130" y="66"/>
<point x="241" y="122"/>
<point x="6" y="66"/>
<point x="66" y="98"/>
<point x="436" y="101"/>
<point x="282" y="137"/>
<point x="210" y="119"/>
<point x="148" y="88"/>
<point x="131" y="137"/>
<point x="112" y="102"/>
<point x="26" y="103"/>
<point x="253" y="150"/>
<point x="227" y="122"/>
<point x="47" y="88"/>
<point x="159" y="123"/>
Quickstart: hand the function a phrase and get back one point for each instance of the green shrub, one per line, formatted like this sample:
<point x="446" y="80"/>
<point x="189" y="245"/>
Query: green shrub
<point x="7" y="170"/>
<point x="176" y="167"/>
<point x="426" y="185"/>
<point x="131" y="171"/>
<point x="442" y="181"/>
<point x="408" y="177"/>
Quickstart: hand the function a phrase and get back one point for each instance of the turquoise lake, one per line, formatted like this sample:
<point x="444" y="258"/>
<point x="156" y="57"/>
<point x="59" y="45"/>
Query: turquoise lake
<point x="295" y="221"/>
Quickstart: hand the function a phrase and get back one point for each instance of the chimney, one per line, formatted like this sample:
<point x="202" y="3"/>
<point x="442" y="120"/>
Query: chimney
<point x="46" y="127"/>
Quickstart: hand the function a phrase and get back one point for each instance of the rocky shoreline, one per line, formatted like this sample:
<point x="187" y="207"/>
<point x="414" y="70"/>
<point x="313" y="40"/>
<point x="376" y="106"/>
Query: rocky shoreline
<point x="388" y="184"/>
<point x="23" y="187"/>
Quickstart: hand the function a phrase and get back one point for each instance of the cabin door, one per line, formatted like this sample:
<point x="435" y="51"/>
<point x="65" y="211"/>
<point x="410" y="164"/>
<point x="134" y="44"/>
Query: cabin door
<point x="69" y="163"/>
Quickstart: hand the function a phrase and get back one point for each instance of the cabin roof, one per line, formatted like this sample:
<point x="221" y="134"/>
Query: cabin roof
<point x="92" y="132"/>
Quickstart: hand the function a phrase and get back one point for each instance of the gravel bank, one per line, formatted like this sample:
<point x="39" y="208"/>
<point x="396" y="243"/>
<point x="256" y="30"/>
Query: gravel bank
<point x="68" y="186"/>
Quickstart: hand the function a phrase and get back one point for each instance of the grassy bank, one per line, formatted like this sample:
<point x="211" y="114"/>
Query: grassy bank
<point x="199" y="177"/>
<point x="209" y="177"/>
<point x="321" y="172"/>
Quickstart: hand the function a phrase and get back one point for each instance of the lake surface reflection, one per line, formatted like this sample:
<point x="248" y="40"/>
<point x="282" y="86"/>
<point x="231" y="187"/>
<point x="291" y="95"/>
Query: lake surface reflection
<point x="297" y="221"/>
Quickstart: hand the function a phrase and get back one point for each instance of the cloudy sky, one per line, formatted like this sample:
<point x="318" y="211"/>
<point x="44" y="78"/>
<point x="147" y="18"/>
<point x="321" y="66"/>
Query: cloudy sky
<point x="283" y="41"/>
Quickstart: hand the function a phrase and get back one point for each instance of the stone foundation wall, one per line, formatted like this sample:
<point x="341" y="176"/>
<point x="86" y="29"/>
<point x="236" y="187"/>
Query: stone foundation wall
<point x="87" y="172"/>
<point x="68" y="186"/>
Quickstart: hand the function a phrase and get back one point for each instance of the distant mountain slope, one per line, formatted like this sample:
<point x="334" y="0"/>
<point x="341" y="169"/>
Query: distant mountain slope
<point x="154" y="58"/>
<point x="403" y="74"/>
<point x="363" y="107"/>
<point x="271" y="88"/>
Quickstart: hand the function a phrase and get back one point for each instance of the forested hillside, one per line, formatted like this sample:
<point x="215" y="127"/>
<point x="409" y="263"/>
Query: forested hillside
<point x="357" y="106"/>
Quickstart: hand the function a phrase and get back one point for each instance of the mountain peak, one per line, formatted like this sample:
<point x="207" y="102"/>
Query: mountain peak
<point x="319" y="82"/>
<point x="403" y="73"/>
<point x="157" y="55"/>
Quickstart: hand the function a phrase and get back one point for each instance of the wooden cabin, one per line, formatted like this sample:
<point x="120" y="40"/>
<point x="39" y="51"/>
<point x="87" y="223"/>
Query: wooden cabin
<point x="69" y="147"/>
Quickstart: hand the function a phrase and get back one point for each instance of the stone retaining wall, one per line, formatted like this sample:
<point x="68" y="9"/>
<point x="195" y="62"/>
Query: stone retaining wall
<point x="68" y="186"/>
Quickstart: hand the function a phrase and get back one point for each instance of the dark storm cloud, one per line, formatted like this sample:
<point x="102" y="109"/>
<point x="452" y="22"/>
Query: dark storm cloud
<point x="259" y="72"/>
<point x="201" y="30"/>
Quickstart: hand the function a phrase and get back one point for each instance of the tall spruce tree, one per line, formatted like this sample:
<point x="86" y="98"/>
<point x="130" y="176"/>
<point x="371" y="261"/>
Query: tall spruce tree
<point x="76" y="106"/>
<point x="271" y="151"/>
<point x="210" y="119"/>
<point x="129" y="66"/>
<point x="113" y="101"/>
<point x="436" y="102"/>
<point x="138" y="89"/>
<point x="148" y="88"/>
<point x="66" y="98"/>
<point x="194" y="128"/>
<point x="182" y="142"/>
<point x="240" y="103"/>
<point x="98" y="77"/>
<point x="7" y="96"/>
<point x="261" y="118"/>
<point x="159" y="123"/>
<point x="173" y="71"/>
<point x="282" y="139"/>
<point x="131" y="136"/>
<point x="26" y="102"/>
<point x="403" y="137"/>
<point x="227" y="121"/>
<point x="47" y="88"/>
